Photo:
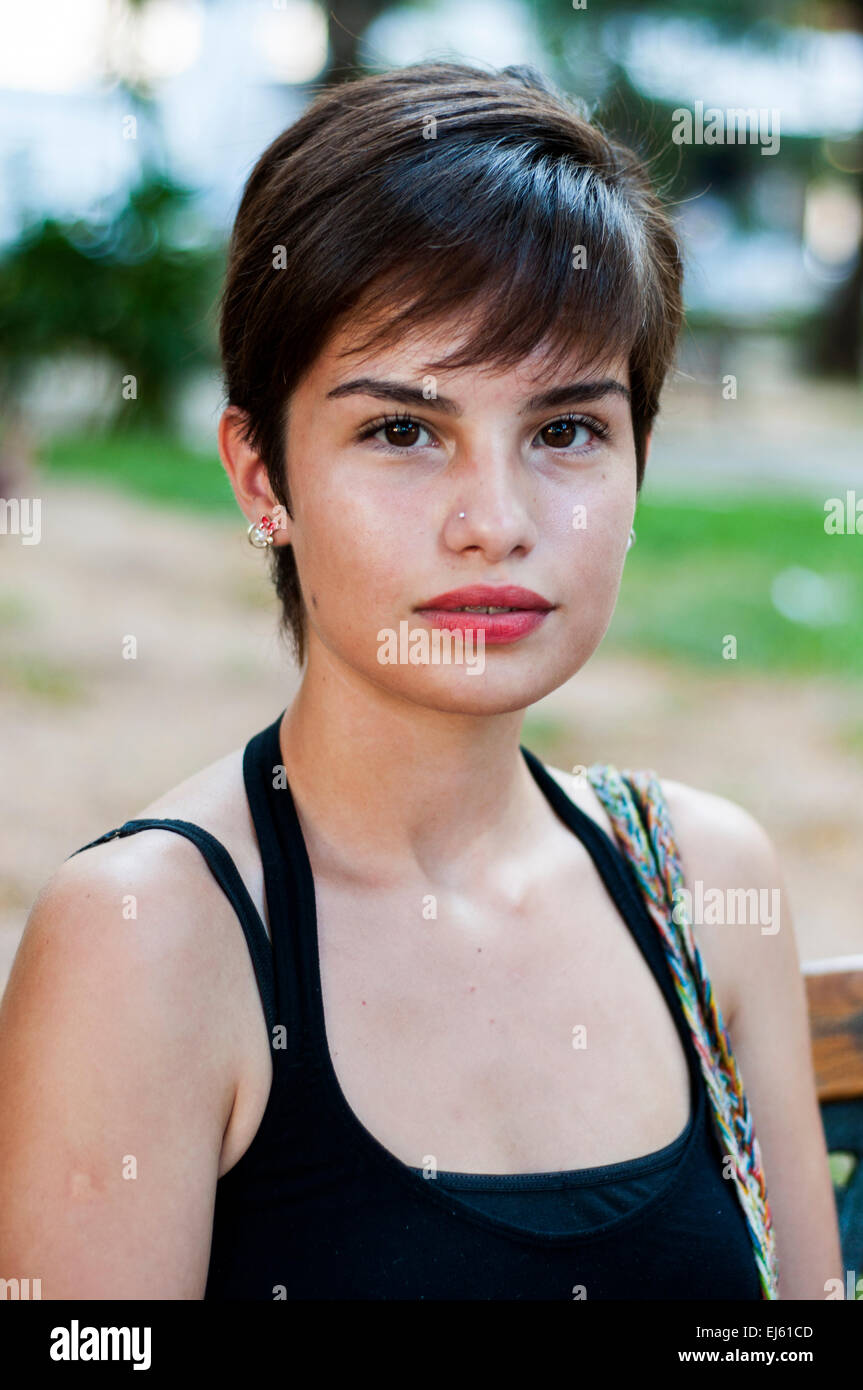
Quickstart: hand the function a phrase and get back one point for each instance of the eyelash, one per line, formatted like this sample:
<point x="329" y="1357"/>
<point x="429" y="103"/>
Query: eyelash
<point x="601" y="430"/>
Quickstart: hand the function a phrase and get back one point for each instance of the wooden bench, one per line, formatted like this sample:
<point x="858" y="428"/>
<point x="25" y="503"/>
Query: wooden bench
<point x="834" y="991"/>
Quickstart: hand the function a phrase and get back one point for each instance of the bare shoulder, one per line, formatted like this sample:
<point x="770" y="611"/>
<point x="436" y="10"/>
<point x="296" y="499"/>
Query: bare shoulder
<point x="142" y="902"/>
<point x="732" y="870"/>
<point x="716" y="831"/>
<point x="730" y="863"/>
<point x="119" y="965"/>
<point x="758" y="964"/>
<point x="213" y="798"/>
<point x="136" y="936"/>
<point x="724" y="849"/>
<point x="707" y="827"/>
<point x="144" y="913"/>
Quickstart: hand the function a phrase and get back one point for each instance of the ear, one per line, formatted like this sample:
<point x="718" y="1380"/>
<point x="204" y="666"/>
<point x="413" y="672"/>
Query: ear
<point x="247" y="474"/>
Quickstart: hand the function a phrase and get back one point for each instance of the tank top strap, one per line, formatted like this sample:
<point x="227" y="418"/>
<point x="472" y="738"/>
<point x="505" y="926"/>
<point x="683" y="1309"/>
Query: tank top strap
<point x="226" y="874"/>
<point x="617" y="873"/>
<point x="616" y="870"/>
<point x="288" y="882"/>
<point x="638" y="811"/>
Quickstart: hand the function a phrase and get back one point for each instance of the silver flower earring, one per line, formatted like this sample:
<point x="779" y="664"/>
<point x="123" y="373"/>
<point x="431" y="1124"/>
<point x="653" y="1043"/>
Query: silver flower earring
<point x="260" y="533"/>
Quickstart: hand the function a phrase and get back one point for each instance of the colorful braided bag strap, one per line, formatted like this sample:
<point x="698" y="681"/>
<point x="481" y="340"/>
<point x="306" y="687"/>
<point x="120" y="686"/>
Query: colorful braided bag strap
<point x="639" y="816"/>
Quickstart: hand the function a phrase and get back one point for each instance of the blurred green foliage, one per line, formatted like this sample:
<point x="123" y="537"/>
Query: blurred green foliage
<point x="124" y="285"/>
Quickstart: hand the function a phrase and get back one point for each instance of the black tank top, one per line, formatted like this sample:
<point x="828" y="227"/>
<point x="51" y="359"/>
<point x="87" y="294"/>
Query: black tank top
<point x="317" y="1208"/>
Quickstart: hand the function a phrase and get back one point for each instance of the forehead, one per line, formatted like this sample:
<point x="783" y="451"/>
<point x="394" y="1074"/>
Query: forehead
<point x="415" y="353"/>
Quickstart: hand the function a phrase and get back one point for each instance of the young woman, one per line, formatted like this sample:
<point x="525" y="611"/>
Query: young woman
<point x="373" y="1008"/>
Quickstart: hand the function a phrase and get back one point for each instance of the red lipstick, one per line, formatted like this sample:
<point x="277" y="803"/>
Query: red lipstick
<point x="527" y="610"/>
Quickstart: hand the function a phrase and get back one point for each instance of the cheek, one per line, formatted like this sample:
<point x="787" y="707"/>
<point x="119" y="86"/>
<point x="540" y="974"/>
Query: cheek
<point x="588" y="528"/>
<point x="588" y="567"/>
<point x="350" y="548"/>
<point x="598" y="554"/>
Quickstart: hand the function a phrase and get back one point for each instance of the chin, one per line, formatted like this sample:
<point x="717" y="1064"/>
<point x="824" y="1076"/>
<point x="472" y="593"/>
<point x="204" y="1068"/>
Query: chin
<point x="501" y="688"/>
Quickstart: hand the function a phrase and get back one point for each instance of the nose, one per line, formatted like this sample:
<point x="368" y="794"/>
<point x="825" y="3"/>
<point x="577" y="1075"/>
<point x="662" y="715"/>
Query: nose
<point x="491" y="491"/>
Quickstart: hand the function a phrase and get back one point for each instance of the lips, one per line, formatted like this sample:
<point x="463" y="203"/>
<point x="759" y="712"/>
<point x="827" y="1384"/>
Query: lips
<point x="510" y="596"/>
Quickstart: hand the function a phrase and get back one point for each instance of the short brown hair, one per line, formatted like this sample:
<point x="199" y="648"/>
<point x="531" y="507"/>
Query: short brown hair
<point x="443" y="187"/>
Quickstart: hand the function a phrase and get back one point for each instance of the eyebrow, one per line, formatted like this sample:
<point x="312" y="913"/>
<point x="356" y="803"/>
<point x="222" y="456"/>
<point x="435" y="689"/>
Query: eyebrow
<point x="571" y="394"/>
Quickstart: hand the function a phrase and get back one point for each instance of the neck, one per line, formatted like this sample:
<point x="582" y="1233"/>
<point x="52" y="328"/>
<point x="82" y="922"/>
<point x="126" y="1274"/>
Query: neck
<point x="388" y="790"/>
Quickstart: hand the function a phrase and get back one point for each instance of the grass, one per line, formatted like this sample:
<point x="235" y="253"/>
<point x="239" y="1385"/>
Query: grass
<point x="698" y="573"/>
<point x="15" y="610"/>
<point x="35" y="675"/>
<point x="151" y="466"/>
<point x="849" y="736"/>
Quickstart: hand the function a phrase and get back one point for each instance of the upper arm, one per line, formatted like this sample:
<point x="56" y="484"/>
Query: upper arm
<point x="115" y="1088"/>
<point x="767" y="1022"/>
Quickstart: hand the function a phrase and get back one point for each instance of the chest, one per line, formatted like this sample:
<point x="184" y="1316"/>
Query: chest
<point x="498" y="1036"/>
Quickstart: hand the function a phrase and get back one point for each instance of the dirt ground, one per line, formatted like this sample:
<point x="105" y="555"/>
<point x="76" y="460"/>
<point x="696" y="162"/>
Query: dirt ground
<point x="89" y="738"/>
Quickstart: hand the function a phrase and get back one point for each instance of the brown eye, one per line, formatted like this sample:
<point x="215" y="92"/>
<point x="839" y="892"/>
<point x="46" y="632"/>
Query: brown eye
<point x="397" y="434"/>
<point x="401" y="432"/>
<point x="560" y="433"/>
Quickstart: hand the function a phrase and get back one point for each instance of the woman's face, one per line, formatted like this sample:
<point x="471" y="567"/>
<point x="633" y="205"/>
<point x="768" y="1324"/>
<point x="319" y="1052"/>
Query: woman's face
<point x="548" y="502"/>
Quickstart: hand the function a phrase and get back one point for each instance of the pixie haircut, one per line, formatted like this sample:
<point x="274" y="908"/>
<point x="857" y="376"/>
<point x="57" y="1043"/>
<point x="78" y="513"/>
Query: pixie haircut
<point x="434" y="191"/>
